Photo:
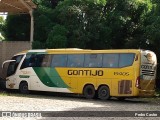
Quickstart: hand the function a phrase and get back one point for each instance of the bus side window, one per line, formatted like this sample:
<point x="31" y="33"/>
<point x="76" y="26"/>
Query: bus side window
<point x="32" y="62"/>
<point x="110" y="60"/>
<point x="38" y="60"/>
<point x="46" y="61"/>
<point x="93" y="60"/>
<point x="28" y="61"/>
<point x="59" y="61"/>
<point x="126" y="59"/>
<point x="75" y="60"/>
<point x="24" y="63"/>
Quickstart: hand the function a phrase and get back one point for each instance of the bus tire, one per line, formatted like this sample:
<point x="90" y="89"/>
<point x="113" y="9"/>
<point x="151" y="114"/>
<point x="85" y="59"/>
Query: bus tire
<point x="104" y="93"/>
<point x="89" y="91"/>
<point x="23" y="88"/>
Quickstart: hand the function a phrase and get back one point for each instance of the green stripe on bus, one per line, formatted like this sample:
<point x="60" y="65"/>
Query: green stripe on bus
<point x="50" y="77"/>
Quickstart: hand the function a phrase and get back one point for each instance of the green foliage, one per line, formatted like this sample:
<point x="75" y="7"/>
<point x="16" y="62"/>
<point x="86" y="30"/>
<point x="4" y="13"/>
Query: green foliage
<point x="152" y="32"/>
<point x="1" y="22"/>
<point x="59" y="30"/>
<point x="38" y="45"/>
<point x="57" y="37"/>
<point x="56" y="41"/>
<point x="42" y="27"/>
<point x="17" y="28"/>
<point x="2" y="27"/>
<point x="91" y="24"/>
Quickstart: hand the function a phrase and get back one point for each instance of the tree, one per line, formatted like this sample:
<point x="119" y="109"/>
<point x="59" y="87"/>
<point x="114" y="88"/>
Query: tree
<point x="17" y="28"/>
<point x="57" y="37"/>
<point x="1" y="23"/>
<point x="92" y="24"/>
<point x="1" y="28"/>
<point x="152" y="32"/>
<point x="43" y="23"/>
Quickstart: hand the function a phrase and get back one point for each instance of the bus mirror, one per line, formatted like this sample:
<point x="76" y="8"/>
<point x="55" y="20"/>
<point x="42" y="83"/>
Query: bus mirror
<point x="7" y="61"/>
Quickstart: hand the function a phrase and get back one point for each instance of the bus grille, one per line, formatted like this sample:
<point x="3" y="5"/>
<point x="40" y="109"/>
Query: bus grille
<point x="124" y="87"/>
<point x="148" y="72"/>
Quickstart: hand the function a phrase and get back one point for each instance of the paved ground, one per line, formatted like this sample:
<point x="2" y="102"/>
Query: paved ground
<point x="56" y="105"/>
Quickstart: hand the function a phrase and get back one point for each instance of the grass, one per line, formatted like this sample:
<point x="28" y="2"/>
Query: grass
<point x="12" y="93"/>
<point x="3" y="93"/>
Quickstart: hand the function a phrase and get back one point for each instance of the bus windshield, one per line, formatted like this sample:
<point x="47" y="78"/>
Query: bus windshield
<point x="13" y="65"/>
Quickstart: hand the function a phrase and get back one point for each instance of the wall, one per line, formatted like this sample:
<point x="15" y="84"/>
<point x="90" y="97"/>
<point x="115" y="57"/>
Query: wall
<point x="9" y="48"/>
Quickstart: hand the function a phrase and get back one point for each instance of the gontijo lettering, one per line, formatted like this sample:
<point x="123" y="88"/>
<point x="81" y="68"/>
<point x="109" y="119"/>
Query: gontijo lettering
<point x="86" y="72"/>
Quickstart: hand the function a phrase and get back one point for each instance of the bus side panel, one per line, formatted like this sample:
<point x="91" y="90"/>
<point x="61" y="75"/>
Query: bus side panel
<point x="44" y="79"/>
<point x="122" y="81"/>
<point x="84" y="81"/>
<point x="104" y="81"/>
<point x="77" y="78"/>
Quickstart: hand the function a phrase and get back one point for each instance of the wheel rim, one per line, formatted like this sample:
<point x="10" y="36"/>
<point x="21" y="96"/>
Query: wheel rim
<point x="103" y="93"/>
<point x="25" y="87"/>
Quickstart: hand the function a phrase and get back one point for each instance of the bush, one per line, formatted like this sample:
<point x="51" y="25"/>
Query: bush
<point x="38" y="45"/>
<point x="57" y="37"/>
<point x="57" y="41"/>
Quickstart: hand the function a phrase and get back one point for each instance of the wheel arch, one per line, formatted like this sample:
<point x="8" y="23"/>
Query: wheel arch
<point x="23" y="81"/>
<point x="103" y="85"/>
<point x="86" y="85"/>
<point x="89" y="91"/>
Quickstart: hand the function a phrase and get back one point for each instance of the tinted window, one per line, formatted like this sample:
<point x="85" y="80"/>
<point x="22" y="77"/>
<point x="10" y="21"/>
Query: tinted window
<point x="38" y="60"/>
<point x="75" y="61"/>
<point x="46" y="62"/>
<point x="110" y="60"/>
<point x="27" y="61"/>
<point x="93" y="60"/>
<point x="17" y="58"/>
<point x="59" y="61"/>
<point x="33" y="60"/>
<point x="126" y="59"/>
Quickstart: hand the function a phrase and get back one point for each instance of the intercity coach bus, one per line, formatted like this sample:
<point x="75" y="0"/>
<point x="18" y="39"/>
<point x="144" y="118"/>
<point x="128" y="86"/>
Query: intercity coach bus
<point x="93" y="73"/>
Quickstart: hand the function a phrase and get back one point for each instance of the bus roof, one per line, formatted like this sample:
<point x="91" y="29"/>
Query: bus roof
<point x="77" y="50"/>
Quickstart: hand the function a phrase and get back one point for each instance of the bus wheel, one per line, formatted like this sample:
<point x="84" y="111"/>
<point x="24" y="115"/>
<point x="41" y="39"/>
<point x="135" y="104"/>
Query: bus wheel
<point x="23" y="88"/>
<point x="89" y="91"/>
<point x="103" y="93"/>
